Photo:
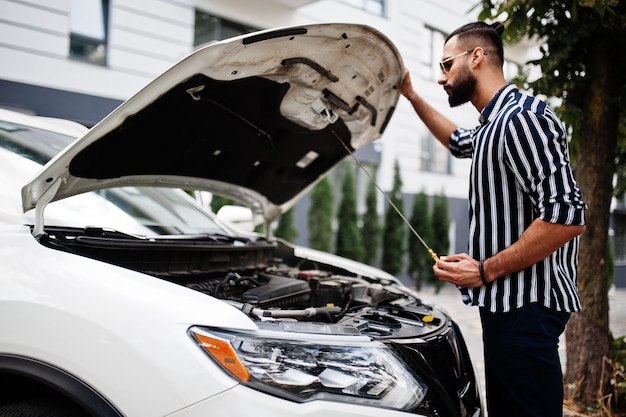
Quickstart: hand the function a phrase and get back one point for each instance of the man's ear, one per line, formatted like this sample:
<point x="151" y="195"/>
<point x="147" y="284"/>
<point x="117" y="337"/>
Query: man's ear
<point x="478" y="55"/>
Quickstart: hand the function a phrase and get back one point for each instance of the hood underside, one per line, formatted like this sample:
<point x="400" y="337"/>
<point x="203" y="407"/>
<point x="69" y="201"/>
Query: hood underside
<point x="258" y="118"/>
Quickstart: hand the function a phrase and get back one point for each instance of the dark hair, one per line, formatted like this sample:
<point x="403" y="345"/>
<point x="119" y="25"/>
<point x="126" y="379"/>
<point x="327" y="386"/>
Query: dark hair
<point x="481" y="34"/>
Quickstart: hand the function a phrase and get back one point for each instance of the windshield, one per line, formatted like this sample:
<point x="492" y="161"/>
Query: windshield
<point x="134" y="210"/>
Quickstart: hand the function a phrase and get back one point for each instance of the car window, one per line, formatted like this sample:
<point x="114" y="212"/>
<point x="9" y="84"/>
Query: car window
<point x="163" y="210"/>
<point x="134" y="210"/>
<point x="35" y="144"/>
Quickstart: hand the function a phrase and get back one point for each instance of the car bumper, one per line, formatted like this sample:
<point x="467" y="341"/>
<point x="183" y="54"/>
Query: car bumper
<point x="243" y="402"/>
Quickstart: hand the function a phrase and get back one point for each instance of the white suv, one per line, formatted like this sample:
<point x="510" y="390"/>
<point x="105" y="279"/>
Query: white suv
<point x="121" y="296"/>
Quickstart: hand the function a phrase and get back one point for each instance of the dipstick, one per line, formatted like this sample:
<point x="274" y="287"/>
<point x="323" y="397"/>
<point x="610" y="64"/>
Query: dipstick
<point x="391" y="203"/>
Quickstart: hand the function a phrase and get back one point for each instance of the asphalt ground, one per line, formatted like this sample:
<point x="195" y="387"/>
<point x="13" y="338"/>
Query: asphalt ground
<point x="449" y="299"/>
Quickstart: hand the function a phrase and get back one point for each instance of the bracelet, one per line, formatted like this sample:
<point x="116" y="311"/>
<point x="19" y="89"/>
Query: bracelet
<point x="481" y="269"/>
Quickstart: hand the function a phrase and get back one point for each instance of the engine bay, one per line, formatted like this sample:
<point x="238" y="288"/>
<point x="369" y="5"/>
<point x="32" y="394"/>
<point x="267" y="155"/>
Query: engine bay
<point x="264" y="279"/>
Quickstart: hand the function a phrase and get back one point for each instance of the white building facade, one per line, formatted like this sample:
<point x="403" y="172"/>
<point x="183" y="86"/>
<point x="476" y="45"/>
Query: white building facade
<point x="79" y="59"/>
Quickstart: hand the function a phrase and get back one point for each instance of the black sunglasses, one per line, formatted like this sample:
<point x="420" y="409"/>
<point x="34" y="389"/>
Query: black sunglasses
<point x="446" y="64"/>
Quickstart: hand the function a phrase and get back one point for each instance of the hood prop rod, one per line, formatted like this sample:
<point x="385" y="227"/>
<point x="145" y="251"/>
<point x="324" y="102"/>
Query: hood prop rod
<point x="195" y="94"/>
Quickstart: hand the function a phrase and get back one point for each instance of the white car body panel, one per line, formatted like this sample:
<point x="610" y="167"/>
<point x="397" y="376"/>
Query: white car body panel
<point x="348" y="264"/>
<point x="98" y="311"/>
<point x="221" y="406"/>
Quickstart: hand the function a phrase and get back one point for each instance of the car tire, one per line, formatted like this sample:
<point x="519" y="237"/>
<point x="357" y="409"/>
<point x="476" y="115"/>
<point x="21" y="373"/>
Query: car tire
<point x="41" y="407"/>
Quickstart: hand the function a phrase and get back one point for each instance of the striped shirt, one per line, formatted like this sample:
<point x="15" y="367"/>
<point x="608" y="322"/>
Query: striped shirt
<point x="520" y="172"/>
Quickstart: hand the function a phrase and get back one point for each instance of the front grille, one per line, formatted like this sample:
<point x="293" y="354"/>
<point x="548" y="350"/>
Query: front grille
<point x="443" y="363"/>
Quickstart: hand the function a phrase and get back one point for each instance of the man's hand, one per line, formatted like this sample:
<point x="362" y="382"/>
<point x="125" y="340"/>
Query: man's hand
<point x="460" y="270"/>
<point x="437" y="123"/>
<point x="406" y="88"/>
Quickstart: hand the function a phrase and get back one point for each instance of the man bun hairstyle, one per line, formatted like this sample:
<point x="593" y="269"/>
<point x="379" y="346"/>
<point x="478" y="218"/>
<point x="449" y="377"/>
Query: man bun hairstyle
<point x="488" y="36"/>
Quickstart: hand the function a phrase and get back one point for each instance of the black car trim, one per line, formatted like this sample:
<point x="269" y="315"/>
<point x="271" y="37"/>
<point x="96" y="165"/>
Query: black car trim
<point x="59" y="380"/>
<point x="369" y="107"/>
<point x="314" y="65"/>
<point x="336" y="101"/>
<point x="274" y="34"/>
<point x="387" y="119"/>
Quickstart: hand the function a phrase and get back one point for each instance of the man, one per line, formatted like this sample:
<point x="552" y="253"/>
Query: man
<point x="526" y="213"/>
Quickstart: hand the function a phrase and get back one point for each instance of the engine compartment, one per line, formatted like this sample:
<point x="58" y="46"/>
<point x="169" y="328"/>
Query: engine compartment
<point x="264" y="279"/>
<point x="286" y="293"/>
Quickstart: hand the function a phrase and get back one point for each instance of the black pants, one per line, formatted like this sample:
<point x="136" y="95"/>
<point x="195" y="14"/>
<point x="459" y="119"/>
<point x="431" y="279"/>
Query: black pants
<point x="522" y="366"/>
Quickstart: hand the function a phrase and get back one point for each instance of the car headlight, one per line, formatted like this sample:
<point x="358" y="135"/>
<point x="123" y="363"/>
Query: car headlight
<point x="334" y="369"/>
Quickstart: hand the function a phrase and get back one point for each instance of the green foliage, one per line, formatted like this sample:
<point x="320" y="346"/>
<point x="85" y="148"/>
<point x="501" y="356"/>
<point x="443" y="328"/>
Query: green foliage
<point x="420" y="261"/>
<point x="610" y="260"/>
<point x="349" y="243"/>
<point x="217" y="202"/>
<point x="441" y="226"/>
<point x="573" y="30"/>
<point x="370" y="231"/>
<point x="320" y="216"/>
<point x="286" y="228"/>
<point x="394" y="234"/>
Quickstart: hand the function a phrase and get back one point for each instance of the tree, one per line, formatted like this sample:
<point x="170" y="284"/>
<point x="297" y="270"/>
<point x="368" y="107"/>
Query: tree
<point x="286" y="228"/>
<point x="217" y="201"/>
<point x="320" y="216"/>
<point x="349" y="243"/>
<point x="394" y="234"/>
<point x="420" y="261"/>
<point x="441" y="227"/>
<point x="582" y="65"/>
<point x="370" y="231"/>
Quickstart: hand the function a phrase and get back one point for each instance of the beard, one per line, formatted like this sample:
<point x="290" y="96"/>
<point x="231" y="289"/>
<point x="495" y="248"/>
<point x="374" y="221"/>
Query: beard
<point x="463" y="90"/>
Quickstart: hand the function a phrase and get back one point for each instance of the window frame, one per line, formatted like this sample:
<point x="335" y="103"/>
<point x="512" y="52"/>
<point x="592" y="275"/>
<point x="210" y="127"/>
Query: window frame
<point x="221" y="23"/>
<point x="434" y="158"/>
<point x="77" y="39"/>
<point x="363" y="5"/>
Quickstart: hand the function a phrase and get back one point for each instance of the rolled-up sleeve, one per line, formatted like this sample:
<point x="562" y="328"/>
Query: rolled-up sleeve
<point x="536" y="149"/>
<point x="462" y="143"/>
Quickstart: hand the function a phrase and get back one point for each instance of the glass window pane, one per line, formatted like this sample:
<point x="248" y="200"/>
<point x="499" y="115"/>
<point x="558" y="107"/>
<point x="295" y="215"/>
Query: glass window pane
<point x="86" y="49"/>
<point x="206" y="28"/>
<point x="619" y="237"/>
<point x="375" y="7"/>
<point x="436" y="50"/>
<point x="434" y="157"/>
<point x="230" y="29"/>
<point x="88" y="30"/>
<point x="212" y="28"/>
<point x="87" y="18"/>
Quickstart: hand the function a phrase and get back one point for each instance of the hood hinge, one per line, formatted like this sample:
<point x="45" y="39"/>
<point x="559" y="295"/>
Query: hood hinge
<point x="41" y="204"/>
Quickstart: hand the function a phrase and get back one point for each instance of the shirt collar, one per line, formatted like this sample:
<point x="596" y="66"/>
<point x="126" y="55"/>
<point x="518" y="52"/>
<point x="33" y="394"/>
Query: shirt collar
<point x="494" y="103"/>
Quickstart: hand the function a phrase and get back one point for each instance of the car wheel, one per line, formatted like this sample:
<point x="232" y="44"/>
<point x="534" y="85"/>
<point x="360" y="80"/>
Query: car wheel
<point x="41" y="407"/>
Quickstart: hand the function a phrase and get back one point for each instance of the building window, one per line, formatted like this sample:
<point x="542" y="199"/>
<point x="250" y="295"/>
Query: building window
<point x="376" y="7"/>
<point x="210" y="28"/>
<point x="434" y="157"/>
<point x="88" y="30"/>
<point x="433" y="50"/>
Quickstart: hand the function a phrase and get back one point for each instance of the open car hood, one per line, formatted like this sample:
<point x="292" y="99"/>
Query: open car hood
<point x="260" y="118"/>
